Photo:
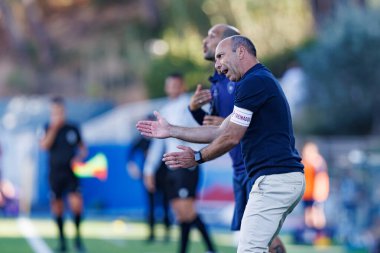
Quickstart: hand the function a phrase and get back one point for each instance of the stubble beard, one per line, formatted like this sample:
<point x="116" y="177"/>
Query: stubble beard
<point x="209" y="56"/>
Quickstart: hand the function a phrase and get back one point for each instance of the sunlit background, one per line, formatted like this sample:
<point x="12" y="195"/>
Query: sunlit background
<point x="109" y="58"/>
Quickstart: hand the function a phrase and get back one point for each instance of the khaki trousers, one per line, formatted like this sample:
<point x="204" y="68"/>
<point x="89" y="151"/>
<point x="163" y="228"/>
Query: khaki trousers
<point x="271" y="199"/>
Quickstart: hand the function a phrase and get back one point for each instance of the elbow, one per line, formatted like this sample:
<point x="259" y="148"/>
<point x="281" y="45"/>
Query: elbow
<point x="234" y="142"/>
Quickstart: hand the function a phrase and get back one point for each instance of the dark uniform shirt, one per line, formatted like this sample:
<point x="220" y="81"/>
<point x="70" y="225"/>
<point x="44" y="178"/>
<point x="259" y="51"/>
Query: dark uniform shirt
<point x="268" y="145"/>
<point x="64" y="149"/>
<point x="222" y="104"/>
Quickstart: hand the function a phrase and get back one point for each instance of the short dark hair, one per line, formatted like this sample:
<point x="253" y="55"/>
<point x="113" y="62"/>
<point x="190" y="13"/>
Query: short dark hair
<point x="58" y="100"/>
<point x="230" y="31"/>
<point x="239" y="40"/>
<point x="176" y="75"/>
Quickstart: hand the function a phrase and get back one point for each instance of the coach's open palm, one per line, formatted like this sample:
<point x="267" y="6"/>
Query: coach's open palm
<point x="154" y="129"/>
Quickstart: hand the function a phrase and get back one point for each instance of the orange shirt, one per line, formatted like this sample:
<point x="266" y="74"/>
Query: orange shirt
<point x="310" y="172"/>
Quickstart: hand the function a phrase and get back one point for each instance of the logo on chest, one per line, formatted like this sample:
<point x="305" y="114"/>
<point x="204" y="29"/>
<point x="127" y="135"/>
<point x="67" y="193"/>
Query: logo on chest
<point x="231" y="87"/>
<point x="71" y="137"/>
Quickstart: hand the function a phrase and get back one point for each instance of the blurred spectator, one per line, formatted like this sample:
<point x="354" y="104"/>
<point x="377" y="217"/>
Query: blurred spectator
<point x="353" y="199"/>
<point x="9" y="202"/>
<point x="142" y="144"/>
<point x="64" y="143"/>
<point x="374" y="234"/>
<point x="292" y="83"/>
<point x="8" y="198"/>
<point x="181" y="183"/>
<point x="317" y="188"/>
<point x="2" y="195"/>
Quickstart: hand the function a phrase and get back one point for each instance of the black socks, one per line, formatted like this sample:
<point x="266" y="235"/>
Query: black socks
<point x="61" y="234"/>
<point x="62" y="240"/>
<point x="203" y="230"/>
<point x="77" y="241"/>
<point x="185" y="232"/>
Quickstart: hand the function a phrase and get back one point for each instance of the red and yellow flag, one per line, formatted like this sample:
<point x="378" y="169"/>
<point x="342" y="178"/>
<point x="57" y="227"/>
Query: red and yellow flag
<point x="96" y="167"/>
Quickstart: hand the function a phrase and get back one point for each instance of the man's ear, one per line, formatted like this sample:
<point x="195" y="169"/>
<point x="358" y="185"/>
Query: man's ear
<point x="241" y="52"/>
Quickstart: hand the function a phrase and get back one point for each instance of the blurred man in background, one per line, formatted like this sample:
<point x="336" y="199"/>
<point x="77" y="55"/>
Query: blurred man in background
<point x="316" y="190"/>
<point x="64" y="144"/>
<point x="142" y="144"/>
<point x="181" y="184"/>
<point x="221" y="99"/>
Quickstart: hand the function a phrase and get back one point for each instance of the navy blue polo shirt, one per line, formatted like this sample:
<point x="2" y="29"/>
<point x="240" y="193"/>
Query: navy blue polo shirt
<point x="222" y="104"/>
<point x="268" y="145"/>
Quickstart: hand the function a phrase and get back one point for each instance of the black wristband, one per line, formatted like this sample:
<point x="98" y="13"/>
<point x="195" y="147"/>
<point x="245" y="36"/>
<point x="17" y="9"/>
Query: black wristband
<point x="198" y="157"/>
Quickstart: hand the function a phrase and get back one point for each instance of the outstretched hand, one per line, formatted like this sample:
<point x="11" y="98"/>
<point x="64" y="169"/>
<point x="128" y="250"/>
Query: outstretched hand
<point x="154" y="129"/>
<point x="184" y="159"/>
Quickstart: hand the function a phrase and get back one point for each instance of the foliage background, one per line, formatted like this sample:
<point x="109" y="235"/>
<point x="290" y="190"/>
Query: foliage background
<point x="342" y="74"/>
<point x="121" y="50"/>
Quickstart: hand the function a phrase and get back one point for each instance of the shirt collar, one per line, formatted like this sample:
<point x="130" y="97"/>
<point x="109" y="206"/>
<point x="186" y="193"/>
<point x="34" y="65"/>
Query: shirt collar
<point x="216" y="77"/>
<point x="253" y="69"/>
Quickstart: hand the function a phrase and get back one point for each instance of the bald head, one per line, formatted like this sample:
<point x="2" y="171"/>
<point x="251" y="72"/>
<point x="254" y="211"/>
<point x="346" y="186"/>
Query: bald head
<point x="241" y="41"/>
<point x="234" y="56"/>
<point x="215" y="35"/>
<point x="226" y="30"/>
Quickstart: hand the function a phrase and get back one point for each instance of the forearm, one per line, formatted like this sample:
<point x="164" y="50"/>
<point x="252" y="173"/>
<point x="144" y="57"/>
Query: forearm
<point x="49" y="138"/>
<point x="203" y="134"/>
<point x="218" y="147"/>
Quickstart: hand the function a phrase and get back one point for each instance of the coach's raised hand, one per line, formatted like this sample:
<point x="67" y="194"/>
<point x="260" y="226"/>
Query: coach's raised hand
<point x="154" y="129"/>
<point x="201" y="97"/>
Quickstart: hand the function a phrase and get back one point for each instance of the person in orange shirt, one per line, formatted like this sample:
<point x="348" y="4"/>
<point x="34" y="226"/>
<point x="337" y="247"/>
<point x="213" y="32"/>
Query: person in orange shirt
<point x="317" y="186"/>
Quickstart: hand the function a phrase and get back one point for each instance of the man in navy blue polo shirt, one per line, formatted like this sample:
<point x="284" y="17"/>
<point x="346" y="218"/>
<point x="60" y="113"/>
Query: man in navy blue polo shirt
<point x="261" y="122"/>
<point x="221" y="99"/>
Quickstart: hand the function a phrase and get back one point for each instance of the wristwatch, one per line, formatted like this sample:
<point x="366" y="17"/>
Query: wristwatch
<point x="198" y="157"/>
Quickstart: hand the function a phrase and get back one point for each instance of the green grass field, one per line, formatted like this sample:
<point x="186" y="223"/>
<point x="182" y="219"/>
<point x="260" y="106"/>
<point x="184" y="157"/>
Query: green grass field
<point x="121" y="236"/>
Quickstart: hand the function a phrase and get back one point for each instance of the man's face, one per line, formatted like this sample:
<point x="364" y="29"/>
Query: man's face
<point x="212" y="39"/>
<point x="57" y="113"/>
<point x="174" y="87"/>
<point x="226" y="61"/>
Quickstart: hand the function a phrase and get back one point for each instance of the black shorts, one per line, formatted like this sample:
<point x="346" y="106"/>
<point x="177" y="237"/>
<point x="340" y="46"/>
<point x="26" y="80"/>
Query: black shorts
<point x="307" y="203"/>
<point x="61" y="184"/>
<point x="160" y="177"/>
<point x="182" y="183"/>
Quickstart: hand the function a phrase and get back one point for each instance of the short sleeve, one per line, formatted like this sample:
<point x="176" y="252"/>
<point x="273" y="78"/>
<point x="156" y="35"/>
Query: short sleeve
<point x="251" y="94"/>
<point x="78" y="134"/>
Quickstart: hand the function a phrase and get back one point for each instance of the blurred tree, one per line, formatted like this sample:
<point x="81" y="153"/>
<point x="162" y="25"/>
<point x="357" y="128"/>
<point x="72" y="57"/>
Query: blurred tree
<point x="17" y="47"/>
<point x="163" y="66"/>
<point x="323" y="9"/>
<point x="103" y="48"/>
<point x="343" y="77"/>
<point x="12" y="31"/>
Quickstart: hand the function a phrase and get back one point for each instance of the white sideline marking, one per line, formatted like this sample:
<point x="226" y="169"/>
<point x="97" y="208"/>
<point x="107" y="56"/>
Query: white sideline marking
<point x="28" y="231"/>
